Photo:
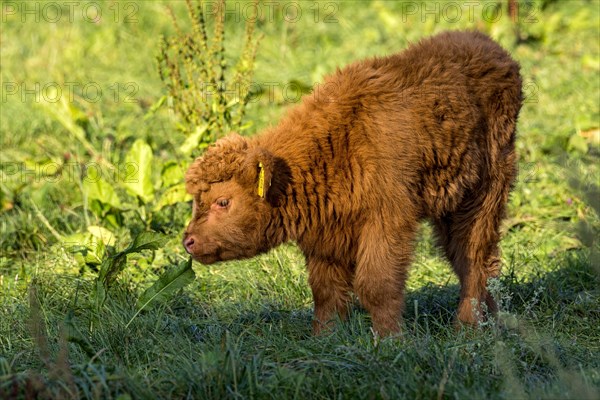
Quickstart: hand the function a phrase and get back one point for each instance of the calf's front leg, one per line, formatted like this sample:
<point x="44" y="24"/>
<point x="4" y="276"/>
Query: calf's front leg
<point x="330" y="284"/>
<point x="381" y="272"/>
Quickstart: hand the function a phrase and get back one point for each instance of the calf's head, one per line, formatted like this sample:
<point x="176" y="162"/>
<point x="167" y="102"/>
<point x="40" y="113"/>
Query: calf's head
<point x="231" y="185"/>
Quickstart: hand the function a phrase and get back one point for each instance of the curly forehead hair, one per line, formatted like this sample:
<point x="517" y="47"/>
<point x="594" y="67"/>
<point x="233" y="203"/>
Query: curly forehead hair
<point x="218" y="164"/>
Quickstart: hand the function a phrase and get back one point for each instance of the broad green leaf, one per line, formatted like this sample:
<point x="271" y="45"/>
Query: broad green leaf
<point x="171" y="174"/>
<point x="103" y="234"/>
<point x="192" y="141"/>
<point x="146" y="241"/>
<point x="112" y="266"/>
<point x="67" y="114"/>
<point x="98" y="208"/>
<point x="174" y="194"/>
<point x="114" y="218"/>
<point x="96" y="188"/>
<point x="109" y="270"/>
<point x="140" y="182"/>
<point x="85" y="247"/>
<point x="96" y="250"/>
<point x="76" y="240"/>
<point x="168" y="283"/>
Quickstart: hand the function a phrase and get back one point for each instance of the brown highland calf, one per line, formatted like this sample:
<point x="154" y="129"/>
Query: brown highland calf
<point x="350" y="172"/>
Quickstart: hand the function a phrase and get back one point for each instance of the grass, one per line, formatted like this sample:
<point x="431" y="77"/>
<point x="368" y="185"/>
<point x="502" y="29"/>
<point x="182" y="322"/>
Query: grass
<point x="242" y="329"/>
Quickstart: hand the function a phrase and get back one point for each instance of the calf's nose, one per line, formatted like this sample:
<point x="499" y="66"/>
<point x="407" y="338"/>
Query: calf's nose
<point x="188" y="243"/>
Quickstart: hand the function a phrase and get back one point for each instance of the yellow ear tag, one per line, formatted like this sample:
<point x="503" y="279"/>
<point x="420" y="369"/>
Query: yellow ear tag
<point x="261" y="180"/>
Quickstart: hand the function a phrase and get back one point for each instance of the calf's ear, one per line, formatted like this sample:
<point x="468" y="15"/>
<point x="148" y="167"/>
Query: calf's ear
<point x="268" y="175"/>
<point x="257" y="171"/>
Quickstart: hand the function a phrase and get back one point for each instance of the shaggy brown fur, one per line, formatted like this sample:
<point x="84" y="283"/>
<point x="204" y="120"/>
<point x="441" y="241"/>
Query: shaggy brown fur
<point x="350" y="173"/>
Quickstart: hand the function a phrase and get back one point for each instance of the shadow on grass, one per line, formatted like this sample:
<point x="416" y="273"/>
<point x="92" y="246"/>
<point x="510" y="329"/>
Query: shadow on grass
<point x="567" y="293"/>
<point x="207" y="350"/>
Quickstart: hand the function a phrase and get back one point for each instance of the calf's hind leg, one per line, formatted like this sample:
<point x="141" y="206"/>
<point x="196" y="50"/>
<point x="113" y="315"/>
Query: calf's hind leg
<point x="470" y="238"/>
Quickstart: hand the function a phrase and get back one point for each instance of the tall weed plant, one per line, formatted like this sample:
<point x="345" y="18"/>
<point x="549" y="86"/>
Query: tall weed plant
<point x="208" y="95"/>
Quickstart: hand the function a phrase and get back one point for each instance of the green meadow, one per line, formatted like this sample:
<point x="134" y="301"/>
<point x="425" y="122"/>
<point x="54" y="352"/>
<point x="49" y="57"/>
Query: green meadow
<point x="97" y="299"/>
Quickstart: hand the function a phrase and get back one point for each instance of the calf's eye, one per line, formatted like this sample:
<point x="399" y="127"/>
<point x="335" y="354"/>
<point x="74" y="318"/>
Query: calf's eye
<point x="223" y="203"/>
